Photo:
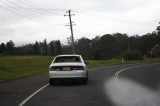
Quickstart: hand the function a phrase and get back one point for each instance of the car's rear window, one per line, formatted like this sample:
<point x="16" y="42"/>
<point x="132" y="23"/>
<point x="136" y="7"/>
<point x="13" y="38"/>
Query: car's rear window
<point x="67" y="59"/>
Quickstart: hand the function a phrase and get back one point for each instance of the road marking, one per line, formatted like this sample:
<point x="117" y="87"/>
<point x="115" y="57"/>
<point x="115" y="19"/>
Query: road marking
<point x="118" y="72"/>
<point x="29" y="97"/>
<point x="117" y="81"/>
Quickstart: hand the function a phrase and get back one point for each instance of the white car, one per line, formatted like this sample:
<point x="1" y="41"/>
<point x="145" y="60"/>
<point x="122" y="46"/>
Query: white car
<point x="68" y="67"/>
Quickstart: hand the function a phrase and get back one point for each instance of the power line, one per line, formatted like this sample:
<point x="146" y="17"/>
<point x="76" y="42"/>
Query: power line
<point x="32" y="8"/>
<point x="42" y="10"/>
<point x="18" y="10"/>
<point x="16" y="5"/>
<point x="30" y="11"/>
<point x="35" y="5"/>
<point x="11" y="10"/>
<point x="17" y="13"/>
<point x="21" y="11"/>
<point x="14" y="10"/>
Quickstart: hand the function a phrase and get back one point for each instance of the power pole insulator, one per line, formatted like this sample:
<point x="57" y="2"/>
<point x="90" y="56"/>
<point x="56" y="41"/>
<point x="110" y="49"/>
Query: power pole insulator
<point x="71" y="28"/>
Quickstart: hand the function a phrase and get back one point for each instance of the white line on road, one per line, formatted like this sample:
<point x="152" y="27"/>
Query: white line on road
<point x="126" y="92"/>
<point x="117" y="81"/>
<point x="29" y="97"/>
<point x="118" y="72"/>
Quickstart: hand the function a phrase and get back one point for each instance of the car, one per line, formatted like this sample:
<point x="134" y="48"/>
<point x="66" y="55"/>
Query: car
<point x="68" y="67"/>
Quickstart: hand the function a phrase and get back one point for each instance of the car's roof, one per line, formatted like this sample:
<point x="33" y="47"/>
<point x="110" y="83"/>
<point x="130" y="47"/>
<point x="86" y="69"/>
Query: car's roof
<point x="68" y="55"/>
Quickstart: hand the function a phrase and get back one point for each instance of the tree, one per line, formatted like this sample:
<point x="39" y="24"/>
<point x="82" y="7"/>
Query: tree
<point x="148" y="41"/>
<point x="83" y="47"/>
<point x="28" y="49"/>
<point x="36" y="48"/>
<point x="132" y="55"/>
<point x="106" y="45"/>
<point x="158" y="29"/>
<point x="121" y="43"/>
<point x="2" y="48"/>
<point x="95" y="48"/>
<point x="52" y="48"/>
<point x="58" y="47"/>
<point x="10" y="47"/>
<point x="45" y="47"/>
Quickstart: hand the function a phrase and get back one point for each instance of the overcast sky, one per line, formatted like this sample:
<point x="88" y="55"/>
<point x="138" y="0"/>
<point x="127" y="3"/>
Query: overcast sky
<point x="27" y="21"/>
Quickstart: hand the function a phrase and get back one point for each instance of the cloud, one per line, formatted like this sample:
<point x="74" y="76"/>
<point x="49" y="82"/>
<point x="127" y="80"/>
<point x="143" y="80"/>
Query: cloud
<point x="93" y="17"/>
<point x="6" y="32"/>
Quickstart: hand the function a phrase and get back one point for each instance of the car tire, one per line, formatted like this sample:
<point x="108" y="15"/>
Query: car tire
<point x="51" y="81"/>
<point x="87" y="76"/>
<point x="84" y="81"/>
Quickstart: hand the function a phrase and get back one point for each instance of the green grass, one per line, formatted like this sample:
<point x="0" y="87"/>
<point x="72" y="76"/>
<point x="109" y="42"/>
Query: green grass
<point x="101" y="63"/>
<point x="14" y="67"/>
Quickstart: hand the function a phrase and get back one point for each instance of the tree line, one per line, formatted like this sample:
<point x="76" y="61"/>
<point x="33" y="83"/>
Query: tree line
<point x="38" y="48"/>
<point x="113" y="45"/>
<point x="116" y="45"/>
<point x="101" y="47"/>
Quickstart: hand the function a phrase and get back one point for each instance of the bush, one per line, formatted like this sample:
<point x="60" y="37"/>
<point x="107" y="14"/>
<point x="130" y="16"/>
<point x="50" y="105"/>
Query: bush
<point x="132" y="55"/>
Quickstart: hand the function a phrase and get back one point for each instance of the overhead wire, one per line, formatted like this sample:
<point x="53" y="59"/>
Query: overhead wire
<point x="43" y="10"/>
<point x="24" y="12"/>
<point x="50" y="9"/>
<point x="18" y="7"/>
<point x="16" y="11"/>
<point x="10" y="9"/>
<point x="30" y="10"/>
<point x="14" y="8"/>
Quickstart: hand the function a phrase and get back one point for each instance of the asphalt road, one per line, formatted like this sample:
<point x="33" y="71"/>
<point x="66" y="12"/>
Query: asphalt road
<point x="118" y="85"/>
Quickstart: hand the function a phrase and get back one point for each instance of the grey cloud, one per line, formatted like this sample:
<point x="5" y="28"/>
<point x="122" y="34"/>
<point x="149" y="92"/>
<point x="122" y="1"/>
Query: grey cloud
<point x="6" y="32"/>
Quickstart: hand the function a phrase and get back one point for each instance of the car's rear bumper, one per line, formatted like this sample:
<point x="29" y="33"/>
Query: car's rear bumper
<point x="67" y="74"/>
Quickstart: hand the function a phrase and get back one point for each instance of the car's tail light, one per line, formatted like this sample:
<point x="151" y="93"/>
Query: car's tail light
<point x="55" y="68"/>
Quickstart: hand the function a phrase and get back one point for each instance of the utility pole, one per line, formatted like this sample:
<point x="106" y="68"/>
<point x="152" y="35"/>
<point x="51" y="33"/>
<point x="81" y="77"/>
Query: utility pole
<point x="71" y="28"/>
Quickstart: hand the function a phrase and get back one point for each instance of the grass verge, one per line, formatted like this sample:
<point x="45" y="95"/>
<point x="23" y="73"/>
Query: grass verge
<point x="15" y="67"/>
<point x="101" y="63"/>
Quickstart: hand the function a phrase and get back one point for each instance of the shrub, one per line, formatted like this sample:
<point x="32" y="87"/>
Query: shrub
<point x="132" y="55"/>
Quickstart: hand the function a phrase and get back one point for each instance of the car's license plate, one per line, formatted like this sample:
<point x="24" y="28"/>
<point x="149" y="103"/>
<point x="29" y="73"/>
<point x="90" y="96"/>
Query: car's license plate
<point x="66" y="68"/>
